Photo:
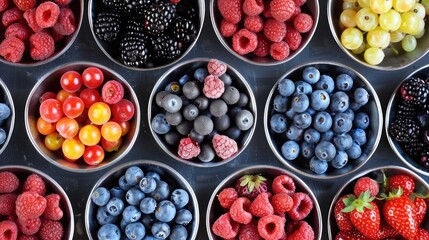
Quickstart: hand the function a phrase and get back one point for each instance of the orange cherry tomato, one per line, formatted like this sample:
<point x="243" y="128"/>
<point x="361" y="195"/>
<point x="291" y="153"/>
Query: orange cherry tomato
<point x="67" y="127"/>
<point x="111" y="131"/>
<point x="99" y="113"/>
<point x="89" y="135"/>
<point x="44" y="127"/>
<point x="73" y="149"/>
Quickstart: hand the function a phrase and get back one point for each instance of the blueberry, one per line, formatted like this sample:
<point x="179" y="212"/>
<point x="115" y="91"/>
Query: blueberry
<point x="322" y="121"/>
<point x="203" y="125"/>
<point x="311" y="75"/>
<point x="103" y="216"/>
<point x="294" y="133"/>
<point x="160" y="124"/>
<point x="339" y="102"/>
<point x="207" y="153"/>
<point x="278" y="123"/>
<point x="148" y="205"/>
<point x="180" y="198"/>
<point x="123" y="224"/>
<point x="165" y="211"/>
<point x="196" y="136"/>
<point x="3" y="136"/>
<point x="226" y="79"/>
<point x="135" y="231"/>
<point x="311" y="135"/>
<point x="286" y="87"/>
<point x="190" y="112"/>
<point x="350" y="114"/>
<point x="362" y="120"/>
<point x="233" y="132"/>
<point x="307" y="150"/>
<point x="340" y="160"/>
<point x="100" y="196"/>
<point x="173" y="87"/>
<point x="153" y="174"/>
<point x="344" y="82"/>
<point x="222" y="123"/>
<point x="243" y="100"/>
<point x="342" y="141"/>
<point x="131" y="214"/>
<point x="183" y="217"/>
<point x="320" y="100"/>
<point x="202" y="102"/>
<point x="359" y="136"/>
<point x="218" y="107"/>
<point x="280" y="103"/>
<point x="159" y="96"/>
<point x="184" y="127"/>
<point x="184" y="79"/>
<point x="160" y="230"/>
<point x="302" y="120"/>
<point x="318" y="166"/>
<point x="162" y="191"/>
<point x="133" y="175"/>
<point x="325" y="151"/>
<point x="172" y="103"/>
<point x="150" y="237"/>
<point x="325" y="83"/>
<point x="300" y="103"/>
<point x="172" y="138"/>
<point x="355" y="106"/>
<point x="134" y="196"/>
<point x="361" y="96"/>
<point x="178" y="232"/>
<point x="231" y="95"/>
<point x="244" y="120"/>
<point x="115" y="206"/>
<point x="355" y="151"/>
<point x="147" y="220"/>
<point x="290" y="113"/>
<point x="342" y="123"/>
<point x="117" y="192"/>
<point x="123" y="184"/>
<point x="311" y="111"/>
<point x="327" y="136"/>
<point x="302" y="87"/>
<point x="109" y="232"/>
<point x="233" y="111"/>
<point x="200" y="74"/>
<point x="290" y="150"/>
<point x="173" y="119"/>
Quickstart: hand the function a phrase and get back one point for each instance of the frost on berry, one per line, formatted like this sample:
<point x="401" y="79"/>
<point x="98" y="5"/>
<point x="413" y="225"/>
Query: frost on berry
<point x="224" y="146"/>
<point x="216" y="67"/>
<point x="213" y="87"/>
<point x="188" y="149"/>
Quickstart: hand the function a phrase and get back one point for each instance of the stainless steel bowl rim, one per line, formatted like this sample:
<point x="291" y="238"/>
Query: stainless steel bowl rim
<point x="12" y="115"/>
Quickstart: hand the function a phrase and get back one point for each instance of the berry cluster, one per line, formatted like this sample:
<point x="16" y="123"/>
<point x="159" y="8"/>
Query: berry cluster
<point x="5" y="113"/>
<point x="32" y="30"/>
<point x="257" y="207"/>
<point x="391" y="210"/>
<point x="28" y="210"/>
<point x="203" y="113"/>
<point x="142" y="205"/>
<point x="264" y="28"/>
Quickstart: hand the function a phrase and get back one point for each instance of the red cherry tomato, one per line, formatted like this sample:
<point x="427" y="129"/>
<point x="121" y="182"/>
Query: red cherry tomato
<point x="71" y="81"/>
<point x="92" y="77"/>
<point x="67" y="127"/>
<point x="63" y="95"/>
<point x="51" y="110"/>
<point x="123" y="110"/>
<point x="93" y="155"/>
<point x="90" y="96"/>
<point x="125" y="126"/>
<point x="47" y="95"/>
<point x="111" y="146"/>
<point x="73" y="107"/>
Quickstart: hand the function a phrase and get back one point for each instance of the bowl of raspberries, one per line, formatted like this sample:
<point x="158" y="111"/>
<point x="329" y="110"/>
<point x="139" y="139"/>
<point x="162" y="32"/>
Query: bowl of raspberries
<point x="146" y="34"/>
<point x="388" y="202"/>
<point x="264" y="33"/>
<point x="406" y="121"/>
<point x="142" y="199"/>
<point x="323" y="120"/>
<point x="36" y="32"/>
<point x="7" y="116"/>
<point x="82" y="117"/>
<point x="202" y="112"/>
<point x="33" y="205"/>
<point x="263" y="202"/>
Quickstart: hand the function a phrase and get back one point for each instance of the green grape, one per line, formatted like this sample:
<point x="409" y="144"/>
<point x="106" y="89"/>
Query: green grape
<point x="373" y="56"/>
<point x="360" y="49"/>
<point x="348" y="5"/>
<point x="364" y="3"/>
<point x="351" y="38"/>
<point x="420" y="27"/>
<point x="403" y="5"/>
<point x="390" y="21"/>
<point x="380" y="6"/>
<point x="347" y="18"/>
<point x="409" y="22"/>
<point x="378" y="38"/>
<point x="420" y="34"/>
<point x="396" y="36"/>
<point x="419" y="10"/>
<point x="409" y="43"/>
<point x="350" y="1"/>
<point x="366" y="19"/>
<point x="425" y="4"/>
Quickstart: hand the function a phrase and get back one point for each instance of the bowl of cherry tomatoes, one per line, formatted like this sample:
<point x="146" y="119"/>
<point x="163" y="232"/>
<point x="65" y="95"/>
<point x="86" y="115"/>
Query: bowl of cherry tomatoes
<point x="82" y="117"/>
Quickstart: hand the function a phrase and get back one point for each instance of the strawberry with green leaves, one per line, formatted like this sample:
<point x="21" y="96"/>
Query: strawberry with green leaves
<point x="401" y="181"/>
<point x="251" y="186"/>
<point x="342" y="218"/>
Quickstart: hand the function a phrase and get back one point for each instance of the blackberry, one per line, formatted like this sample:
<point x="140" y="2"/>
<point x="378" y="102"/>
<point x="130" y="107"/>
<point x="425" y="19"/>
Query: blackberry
<point x="184" y="30"/>
<point x="166" y="48"/>
<point x="415" y="90"/>
<point x="116" y="5"/>
<point x="404" y="130"/>
<point x="136" y="5"/>
<point x="187" y="11"/>
<point x="414" y="149"/>
<point x="134" y="51"/>
<point x="406" y="109"/>
<point x="424" y="157"/>
<point x="107" y="26"/>
<point x="135" y="28"/>
<point x="158" y="16"/>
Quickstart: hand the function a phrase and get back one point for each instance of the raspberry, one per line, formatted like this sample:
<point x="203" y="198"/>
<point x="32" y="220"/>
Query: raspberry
<point x="12" y="49"/>
<point x="213" y="87"/>
<point x="254" y="23"/>
<point x="66" y="23"/>
<point x="303" y="22"/>
<point x="365" y="183"/>
<point x="225" y="227"/>
<point x="4" y="4"/>
<point x="239" y="210"/>
<point x="29" y="226"/>
<point x="300" y="230"/>
<point x="261" y="206"/>
<point x="227" y="196"/>
<point x="267" y="11"/>
<point x="283" y="184"/>
<point x="9" y="181"/>
<point x="25" y="5"/>
<point x="112" y="92"/>
<point x="62" y="2"/>
<point x="56" y="36"/>
<point x="7" y="204"/>
<point x="28" y="237"/>
<point x="51" y="230"/>
<point x="299" y="3"/>
<point x="295" y="13"/>
<point x="42" y="46"/>
<point x="274" y="30"/>
<point x="53" y="210"/>
<point x="302" y="206"/>
<point x="188" y="149"/>
<point x="227" y="29"/>
<point x="271" y="227"/>
<point x="282" y="202"/>
<point x="279" y="50"/>
<point x="8" y="230"/>
<point x="253" y="7"/>
<point x="10" y="16"/>
<point x="293" y="38"/>
<point x="18" y="30"/>
<point x="249" y="231"/>
<point x="35" y="183"/>
<point x="216" y="67"/>
<point x="224" y="146"/>
<point x="30" y="205"/>
<point x="230" y="10"/>
<point x="263" y="47"/>
<point x="47" y="14"/>
<point x="30" y="18"/>
<point x="282" y="10"/>
<point x="244" y="41"/>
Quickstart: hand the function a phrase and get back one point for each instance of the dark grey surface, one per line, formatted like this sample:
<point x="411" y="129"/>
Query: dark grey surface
<point x="322" y="47"/>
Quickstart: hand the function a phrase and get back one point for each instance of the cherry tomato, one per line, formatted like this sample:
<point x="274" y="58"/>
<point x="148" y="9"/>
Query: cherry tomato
<point x="54" y="141"/>
<point x="89" y="135"/>
<point x="71" y="81"/>
<point x="99" y="113"/>
<point x="125" y="126"/>
<point x="111" y="146"/>
<point x="92" y="77"/>
<point x="47" y="95"/>
<point x="73" y="149"/>
<point x="63" y="95"/>
<point x="73" y="107"/>
<point x="111" y="131"/>
<point x="44" y="127"/>
<point x="67" y="127"/>
<point x="51" y="110"/>
<point x="93" y="155"/>
<point x="90" y="96"/>
<point x="123" y="110"/>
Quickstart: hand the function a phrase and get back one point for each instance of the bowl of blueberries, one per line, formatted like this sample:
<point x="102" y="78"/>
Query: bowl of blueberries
<point x="142" y="199"/>
<point x="7" y="116"/>
<point x="202" y="112"/>
<point x="323" y="120"/>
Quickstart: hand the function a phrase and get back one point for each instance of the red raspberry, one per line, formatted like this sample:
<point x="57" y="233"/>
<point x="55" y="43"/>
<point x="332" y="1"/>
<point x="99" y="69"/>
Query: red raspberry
<point x="29" y="226"/>
<point x="18" y="30"/>
<point x="293" y="38"/>
<point x="261" y="205"/>
<point x="282" y="10"/>
<point x="254" y="23"/>
<point x="282" y="202"/>
<point x="342" y="219"/>
<point x="35" y="183"/>
<point x="4" y="4"/>
<point x="271" y="227"/>
<point x="249" y="231"/>
<point x="303" y="22"/>
<point x="51" y="230"/>
<point x="227" y="196"/>
<point x="112" y="92"/>
<point x="25" y="5"/>
<point x="28" y="237"/>
<point x="62" y="2"/>
<point x="10" y="16"/>
<point x="263" y="48"/>
<point x="267" y="11"/>
<point x="274" y="30"/>
<point x="9" y="181"/>
<point x="47" y="14"/>
<point x="213" y="87"/>
<point x="227" y="29"/>
<point x="239" y="210"/>
<point x="12" y="49"/>
<point x="188" y="149"/>
<point x="230" y="10"/>
<point x="299" y="3"/>
<point x="30" y="18"/>
<point x="253" y="7"/>
<point x="53" y="209"/>
<point x="225" y="227"/>
<point x="224" y="146"/>
<point x="283" y="184"/>
<point x="42" y="46"/>
<point x="295" y="13"/>
<point x="175" y="1"/>
<point x="57" y="38"/>
<point x="244" y="41"/>
<point x="279" y="50"/>
<point x="30" y="205"/>
<point x="302" y="206"/>
<point x="66" y="23"/>
<point x="7" y="204"/>
<point x="216" y="67"/>
<point x="8" y="230"/>
<point x="365" y="183"/>
<point x="300" y="230"/>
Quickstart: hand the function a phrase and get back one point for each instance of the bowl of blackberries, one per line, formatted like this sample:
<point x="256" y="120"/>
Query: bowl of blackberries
<point x="142" y="199"/>
<point x="264" y="33"/>
<point x="407" y="117"/>
<point x="146" y="34"/>
<point x="7" y="116"/>
<point x="323" y="120"/>
<point x="202" y="112"/>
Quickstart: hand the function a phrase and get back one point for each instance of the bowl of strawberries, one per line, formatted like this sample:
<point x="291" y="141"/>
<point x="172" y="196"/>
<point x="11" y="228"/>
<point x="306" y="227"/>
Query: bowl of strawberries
<point x="387" y="202"/>
<point x="263" y="202"/>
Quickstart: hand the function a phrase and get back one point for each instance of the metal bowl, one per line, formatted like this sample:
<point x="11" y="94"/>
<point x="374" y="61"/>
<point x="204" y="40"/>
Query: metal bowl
<point x="8" y="124"/>
<point x="22" y="172"/>
<point x="214" y="210"/>
<point x="421" y="186"/>
<point x="167" y="173"/>
<point x="111" y="49"/>
<point x="372" y="108"/>
<point x="174" y="74"/>
<point x="394" y="59"/>
<point x="50" y="82"/>
<point x="311" y="7"/>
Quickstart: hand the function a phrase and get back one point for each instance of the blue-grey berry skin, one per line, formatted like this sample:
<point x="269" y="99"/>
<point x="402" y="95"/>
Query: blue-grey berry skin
<point x="154" y="175"/>
<point x="302" y="87"/>
<point x="109" y="232"/>
<point x="131" y="213"/>
<point x="191" y="90"/>
<point x="159" y="96"/>
<point x="243" y="100"/>
<point x="133" y="175"/>
<point x="244" y="120"/>
<point x="190" y="112"/>
<point x="160" y="230"/>
<point x="355" y="151"/>
<point x="161" y="192"/>
<point x="311" y="111"/>
<point x="172" y="138"/>
<point x="280" y="103"/>
<point x="203" y="125"/>
<point x="343" y="141"/>
<point x="160" y="124"/>
<point x="226" y="79"/>
<point x="147" y="220"/>
<point x="103" y="216"/>
<point x="300" y="103"/>
<point x="302" y="120"/>
<point x="278" y="123"/>
<point x="196" y="137"/>
<point x="135" y="231"/>
<point x="320" y="100"/>
<point x="150" y="237"/>
<point x="100" y="196"/>
<point x="325" y="83"/>
<point x="222" y="123"/>
<point x="184" y="127"/>
<point x="311" y="74"/>
<point x="202" y="102"/>
<point x="183" y="217"/>
<point x="123" y="224"/>
<point x="134" y="196"/>
<point x="123" y="184"/>
<point x="307" y="150"/>
<point x="233" y="132"/>
<point x="327" y="136"/>
<point x="361" y="96"/>
<point x="318" y="166"/>
<point x="172" y="103"/>
<point x="350" y="114"/>
<point x="290" y="150"/>
<point x="233" y="111"/>
<point x="3" y="136"/>
<point x="207" y="153"/>
<point x="200" y="74"/>
<point x="218" y="107"/>
<point x="361" y="120"/>
<point x="118" y="192"/>
<point x="311" y="135"/>
<point x="322" y="121"/>
<point x="178" y="232"/>
<point x="148" y="205"/>
<point x="4" y="111"/>
<point x="286" y="87"/>
<point x="340" y="160"/>
<point x="325" y="151"/>
<point x="290" y="113"/>
<point x="354" y="106"/>
<point x="344" y="82"/>
<point x="231" y="95"/>
<point x="180" y="198"/>
<point x="339" y="102"/>
<point x="184" y="79"/>
<point x="342" y="123"/>
<point x="165" y="211"/>
<point x="173" y="119"/>
<point x="359" y="136"/>
<point x="294" y="133"/>
<point x="115" y="206"/>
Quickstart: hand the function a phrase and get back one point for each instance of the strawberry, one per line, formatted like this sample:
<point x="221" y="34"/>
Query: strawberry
<point x="366" y="183"/>
<point x="350" y="235"/>
<point x="342" y="218"/>
<point x="386" y="231"/>
<point x="403" y="181"/>
<point x="422" y="234"/>
<point x="230" y="10"/>
<point x="251" y="185"/>
<point x="421" y="208"/>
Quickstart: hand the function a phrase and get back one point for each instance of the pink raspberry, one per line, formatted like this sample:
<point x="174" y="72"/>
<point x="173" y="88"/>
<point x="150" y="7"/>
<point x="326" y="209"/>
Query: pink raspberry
<point x="216" y="67"/>
<point x="35" y="183"/>
<point x="42" y="45"/>
<point x="300" y="230"/>
<point x="227" y="196"/>
<point x="53" y="209"/>
<point x="66" y="23"/>
<point x="10" y="16"/>
<point x="188" y="149"/>
<point x="282" y="10"/>
<point x="239" y="210"/>
<point x="282" y="202"/>
<point x="9" y="182"/>
<point x="293" y="38"/>
<point x="271" y="227"/>
<point x="7" y="204"/>
<point x="299" y="3"/>
<point x="244" y="41"/>
<point x="254" y="23"/>
<point x="279" y="50"/>
<point x="283" y="184"/>
<point x="29" y="237"/>
<point x="18" y="30"/>
<point x="224" y="146"/>
<point x="30" y="205"/>
<point x="263" y="48"/>
<point x="8" y="230"/>
<point x="261" y="206"/>
<point x="47" y="14"/>
<point x="227" y="29"/>
<point x="249" y="231"/>
<point x="303" y="22"/>
<point x="274" y="30"/>
<point x="253" y="7"/>
<point x="302" y="206"/>
<point x="213" y="87"/>
<point x="30" y="17"/>
<point x="29" y="226"/>
<point x="225" y="227"/>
